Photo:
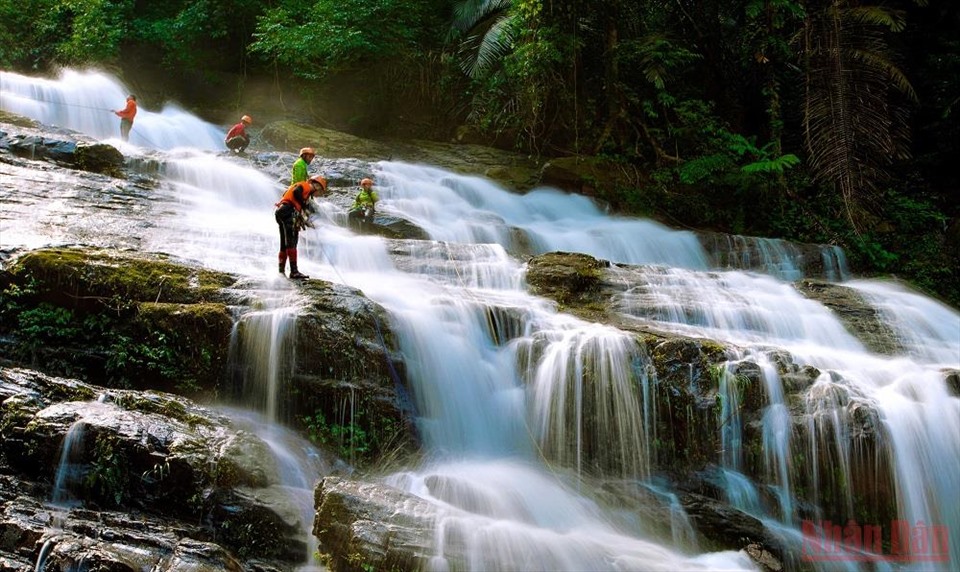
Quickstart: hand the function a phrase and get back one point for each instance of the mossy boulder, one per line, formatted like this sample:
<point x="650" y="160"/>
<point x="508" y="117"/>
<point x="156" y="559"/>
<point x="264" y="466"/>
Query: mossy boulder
<point x="99" y="158"/>
<point x="591" y="176"/>
<point x="860" y="318"/>
<point x="80" y="277"/>
<point x="568" y="278"/>
<point x="292" y="136"/>
<point x="118" y="319"/>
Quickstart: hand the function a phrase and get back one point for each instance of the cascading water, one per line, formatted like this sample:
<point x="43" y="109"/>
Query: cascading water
<point x="69" y="467"/>
<point x="85" y="101"/>
<point x="493" y="395"/>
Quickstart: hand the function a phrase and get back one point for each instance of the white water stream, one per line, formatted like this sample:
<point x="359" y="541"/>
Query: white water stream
<point x="490" y="402"/>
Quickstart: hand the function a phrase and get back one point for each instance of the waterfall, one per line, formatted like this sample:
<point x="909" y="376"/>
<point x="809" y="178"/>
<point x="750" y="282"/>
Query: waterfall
<point x="84" y="101"/>
<point x="69" y="469"/>
<point x="506" y="384"/>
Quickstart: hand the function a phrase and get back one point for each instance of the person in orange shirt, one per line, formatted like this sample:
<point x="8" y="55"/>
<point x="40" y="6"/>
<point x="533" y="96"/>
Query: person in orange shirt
<point x="126" y="116"/>
<point x="237" y="139"/>
<point x="291" y="216"/>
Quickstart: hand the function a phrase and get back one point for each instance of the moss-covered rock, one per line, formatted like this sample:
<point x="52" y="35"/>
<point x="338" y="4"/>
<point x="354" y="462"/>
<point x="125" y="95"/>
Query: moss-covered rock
<point x="344" y="354"/>
<point x="99" y="158"/>
<point x="568" y="278"/>
<point x="118" y="319"/>
<point x="592" y="176"/>
<point x="81" y="277"/>
<point x="859" y="317"/>
<point x="291" y="136"/>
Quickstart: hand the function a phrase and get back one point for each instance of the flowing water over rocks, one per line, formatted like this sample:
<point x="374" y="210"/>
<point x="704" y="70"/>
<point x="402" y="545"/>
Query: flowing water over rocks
<point x="526" y="381"/>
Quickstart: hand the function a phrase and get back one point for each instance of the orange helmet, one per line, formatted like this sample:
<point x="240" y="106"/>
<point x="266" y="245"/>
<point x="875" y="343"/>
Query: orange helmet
<point x="366" y="183"/>
<point x="307" y="151"/>
<point x="246" y="119"/>
<point x="320" y="181"/>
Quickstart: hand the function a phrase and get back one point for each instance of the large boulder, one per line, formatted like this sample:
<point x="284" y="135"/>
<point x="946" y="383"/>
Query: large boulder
<point x="370" y="526"/>
<point x="66" y="148"/>
<point x="151" y="452"/>
<point x="118" y="318"/>
<point x="860" y="318"/>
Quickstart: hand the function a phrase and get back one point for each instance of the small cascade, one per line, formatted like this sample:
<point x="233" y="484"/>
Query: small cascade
<point x="584" y="399"/>
<point x="84" y="101"/>
<point x="70" y="473"/>
<point x="927" y="329"/>
<point x="835" y="266"/>
<point x="684" y="536"/>
<point x="299" y="467"/>
<point x="48" y="545"/>
<point x="511" y="516"/>
<point x="262" y="356"/>
<point x="731" y="428"/>
<point x="473" y="210"/>
<point x="777" y="431"/>
<point x="70" y="468"/>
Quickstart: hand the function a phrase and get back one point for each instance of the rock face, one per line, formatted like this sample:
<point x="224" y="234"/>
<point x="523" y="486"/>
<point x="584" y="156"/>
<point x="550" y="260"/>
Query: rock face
<point x="364" y="526"/>
<point x="145" y="321"/>
<point x="69" y="149"/>
<point x="860" y="319"/>
<point x="122" y="319"/>
<point x="165" y="461"/>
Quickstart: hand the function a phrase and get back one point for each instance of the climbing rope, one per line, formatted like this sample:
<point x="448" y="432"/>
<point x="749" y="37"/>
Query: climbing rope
<point x="137" y="133"/>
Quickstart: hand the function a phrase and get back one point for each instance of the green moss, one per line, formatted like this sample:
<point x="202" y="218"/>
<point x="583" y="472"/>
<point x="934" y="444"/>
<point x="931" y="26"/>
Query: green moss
<point x="75" y="276"/>
<point x="147" y="402"/>
<point x="117" y="319"/>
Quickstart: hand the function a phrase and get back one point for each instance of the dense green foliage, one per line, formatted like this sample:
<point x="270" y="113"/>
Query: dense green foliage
<point x="827" y="120"/>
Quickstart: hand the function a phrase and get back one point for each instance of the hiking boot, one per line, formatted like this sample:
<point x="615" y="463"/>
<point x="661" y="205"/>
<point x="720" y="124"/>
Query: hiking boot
<point x="296" y="275"/>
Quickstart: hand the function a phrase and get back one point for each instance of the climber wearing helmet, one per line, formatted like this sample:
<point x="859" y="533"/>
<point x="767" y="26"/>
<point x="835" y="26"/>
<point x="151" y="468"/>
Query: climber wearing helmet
<point x="237" y="139"/>
<point x="292" y="211"/>
<point x="364" y="206"/>
<point x="300" y="165"/>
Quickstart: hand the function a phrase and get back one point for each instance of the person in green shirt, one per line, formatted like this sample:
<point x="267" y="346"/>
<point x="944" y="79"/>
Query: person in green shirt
<point x="361" y="213"/>
<point x="300" y="165"/>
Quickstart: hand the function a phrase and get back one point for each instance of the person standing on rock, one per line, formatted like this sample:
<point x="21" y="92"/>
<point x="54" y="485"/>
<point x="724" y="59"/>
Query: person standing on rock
<point x="300" y="165"/>
<point x="237" y="139"/>
<point x="291" y="216"/>
<point x="126" y="116"/>
<point x="364" y="206"/>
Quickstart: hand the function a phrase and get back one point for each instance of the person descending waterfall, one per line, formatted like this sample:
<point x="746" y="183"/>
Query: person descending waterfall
<point x="300" y="165"/>
<point x="364" y="206"/>
<point x="126" y="116"/>
<point x="237" y="139"/>
<point x="291" y="215"/>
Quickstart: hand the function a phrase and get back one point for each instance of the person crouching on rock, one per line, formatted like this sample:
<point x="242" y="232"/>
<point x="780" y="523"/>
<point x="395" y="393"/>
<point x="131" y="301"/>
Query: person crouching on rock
<point x="292" y="211"/>
<point x="364" y="207"/>
<point x="237" y="139"/>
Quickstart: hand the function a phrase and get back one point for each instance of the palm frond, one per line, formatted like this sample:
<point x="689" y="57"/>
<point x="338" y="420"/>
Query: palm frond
<point x="467" y="14"/>
<point x="490" y="48"/>
<point x="853" y="126"/>
<point x="890" y="69"/>
<point x="894" y="20"/>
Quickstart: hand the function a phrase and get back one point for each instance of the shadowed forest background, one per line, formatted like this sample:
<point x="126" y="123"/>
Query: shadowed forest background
<point x="830" y="121"/>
